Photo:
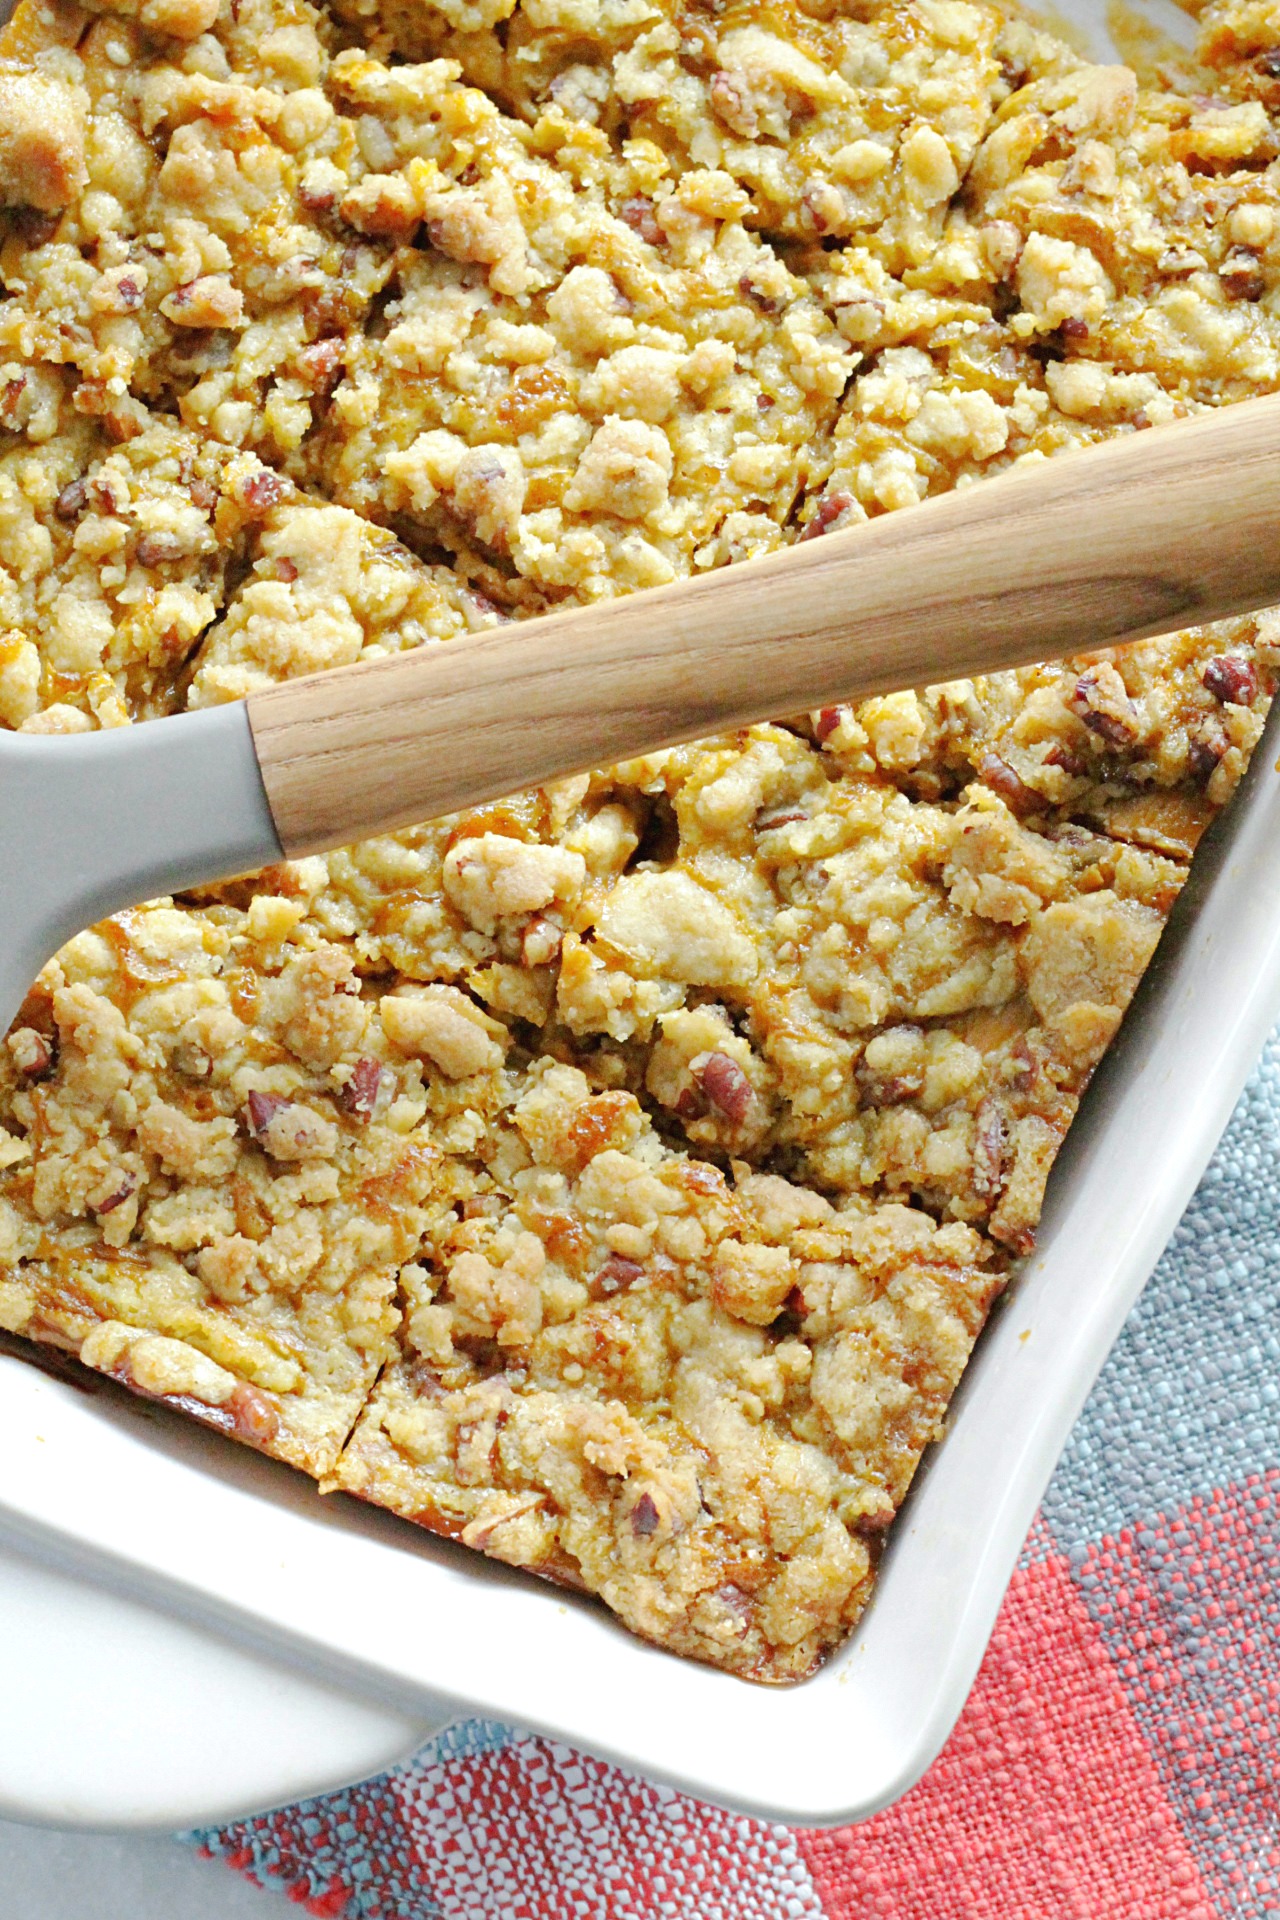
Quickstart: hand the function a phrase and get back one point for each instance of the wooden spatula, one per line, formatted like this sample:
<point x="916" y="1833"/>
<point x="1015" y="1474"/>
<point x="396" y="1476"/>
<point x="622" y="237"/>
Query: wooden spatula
<point x="1127" y="539"/>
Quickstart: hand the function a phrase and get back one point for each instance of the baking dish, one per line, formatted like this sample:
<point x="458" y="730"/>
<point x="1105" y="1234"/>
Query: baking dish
<point x="235" y="1539"/>
<point x="242" y="1539"/>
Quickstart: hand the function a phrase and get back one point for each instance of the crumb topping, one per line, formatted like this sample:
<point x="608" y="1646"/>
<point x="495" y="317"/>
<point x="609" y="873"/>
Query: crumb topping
<point x="614" y="1178"/>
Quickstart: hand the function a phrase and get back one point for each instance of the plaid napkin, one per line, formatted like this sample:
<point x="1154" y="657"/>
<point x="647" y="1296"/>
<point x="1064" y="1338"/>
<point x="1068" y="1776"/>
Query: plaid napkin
<point x="1118" y="1759"/>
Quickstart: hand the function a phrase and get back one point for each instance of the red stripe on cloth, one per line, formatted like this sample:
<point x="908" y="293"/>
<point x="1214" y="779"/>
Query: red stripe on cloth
<point x="1044" y="1805"/>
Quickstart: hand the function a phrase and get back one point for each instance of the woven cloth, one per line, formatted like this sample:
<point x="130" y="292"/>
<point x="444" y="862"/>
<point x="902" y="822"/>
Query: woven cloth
<point x="1119" y="1756"/>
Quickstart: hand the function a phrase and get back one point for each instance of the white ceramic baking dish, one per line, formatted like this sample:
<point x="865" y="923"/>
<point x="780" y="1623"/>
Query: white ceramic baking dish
<point x="219" y="1534"/>
<point x="444" y="1633"/>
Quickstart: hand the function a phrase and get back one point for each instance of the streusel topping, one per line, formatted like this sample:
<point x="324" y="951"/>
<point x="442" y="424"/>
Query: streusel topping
<point x="616" y="1177"/>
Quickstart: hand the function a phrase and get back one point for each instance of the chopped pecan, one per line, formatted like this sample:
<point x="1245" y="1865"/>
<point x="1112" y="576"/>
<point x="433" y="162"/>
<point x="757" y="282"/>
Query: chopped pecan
<point x="106" y="493"/>
<point x="1206" y="747"/>
<point x="33" y="1055"/>
<point x="769" y="819"/>
<point x="615" y="1276"/>
<point x="834" y="510"/>
<point x="320" y="365"/>
<point x="764" y="302"/>
<point x="644" y="1516"/>
<point x="640" y="217"/>
<point x="997" y="774"/>
<point x="1231" y="678"/>
<point x="731" y="103"/>
<point x="317" y="199"/>
<point x="990" y="1146"/>
<point x="71" y="502"/>
<point x="125" y="1190"/>
<point x="540" y="942"/>
<point x="1101" y="700"/>
<point x="260" y="492"/>
<point x="288" y="1129"/>
<point x="159" y="549"/>
<point x="1060" y="756"/>
<point x="1241" y="275"/>
<point x="201" y="494"/>
<point x="829" y="718"/>
<point x="359" y="1094"/>
<point x="210" y="301"/>
<point x="824" y="204"/>
<point x="725" y="1085"/>
<point x="261" y="1109"/>
<point x="877" y="1518"/>
<point x="1073" y="328"/>
<point x="898" y="1072"/>
<point x="10" y="401"/>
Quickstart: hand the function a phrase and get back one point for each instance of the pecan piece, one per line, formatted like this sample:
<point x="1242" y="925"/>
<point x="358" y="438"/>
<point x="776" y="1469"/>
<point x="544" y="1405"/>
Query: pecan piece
<point x="732" y="104"/>
<point x="1206" y="747"/>
<point x="210" y="301"/>
<point x="1101" y="699"/>
<point x="1231" y="678"/>
<point x="990" y="1148"/>
<point x="640" y="217"/>
<point x="725" y="1085"/>
<point x="615" y="1276"/>
<point x="540" y="942"/>
<point x="287" y="1129"/>
<point x="764" y="302"/>
<point x="125" y="1190"/>
<point x="769" y="819"/>
<point x="1060" y="756"/>
<point x="997" y="774"/>
<point x="829" y="718"/>
<point x="644" y="1516"/>
<point x="320" y="365"/>
<point x="159" y="549"/>
<point x="10" y="401"/>
<point x="359" y="1094"/>
<point x="71" y="502"/>
<point x="877" y="1518"/>
<point x="833" y="511"/>
<point x="1241" y="275"/>
<point x="33" y="1055"/>
<point x="260" y="491"/>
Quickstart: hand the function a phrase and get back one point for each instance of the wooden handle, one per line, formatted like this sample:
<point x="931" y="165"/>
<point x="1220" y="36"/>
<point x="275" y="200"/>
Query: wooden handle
<point x="1118" y="542"/>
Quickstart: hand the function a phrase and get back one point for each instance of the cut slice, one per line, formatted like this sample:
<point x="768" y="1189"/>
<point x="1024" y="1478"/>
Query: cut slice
<point x="212" y="1172"/>
<point x="572" y="396"/>
<point x="834" y="122"/>
<point x="120" y="536"/>
<point x="599" y="1381"/>
<point x="185" y="252"/>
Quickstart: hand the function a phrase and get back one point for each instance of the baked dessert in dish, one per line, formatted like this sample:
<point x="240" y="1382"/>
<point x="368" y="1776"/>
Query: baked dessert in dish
<point x="614" y="1178"/>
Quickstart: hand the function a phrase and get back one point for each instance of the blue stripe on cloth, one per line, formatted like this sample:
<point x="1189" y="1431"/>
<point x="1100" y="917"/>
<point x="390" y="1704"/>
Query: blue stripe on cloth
<point x="1188" y="1607"/>
<point x="1190" y="1398"/>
